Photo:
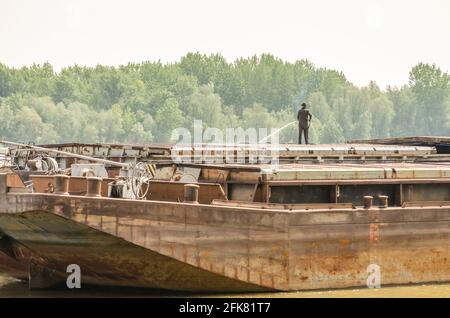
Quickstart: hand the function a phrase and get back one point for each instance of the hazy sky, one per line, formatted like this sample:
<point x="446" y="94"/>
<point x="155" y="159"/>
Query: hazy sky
<point x="366" y="39"/>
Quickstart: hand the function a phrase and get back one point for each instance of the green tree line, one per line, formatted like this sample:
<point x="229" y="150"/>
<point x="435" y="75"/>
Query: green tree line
<point x="144" y="102"/>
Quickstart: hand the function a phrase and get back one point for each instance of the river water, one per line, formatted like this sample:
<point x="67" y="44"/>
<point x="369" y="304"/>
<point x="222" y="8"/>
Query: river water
<point x="10" y="287"/>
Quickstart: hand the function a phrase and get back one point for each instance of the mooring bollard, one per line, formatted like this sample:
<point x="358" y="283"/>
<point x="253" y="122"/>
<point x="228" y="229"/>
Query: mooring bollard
<point x="93" y="187"/>
<point x="62" y="184"/>
<point x="368" y="199"/>
<point x="383" y="201"/>
<point x="191" y="193"/>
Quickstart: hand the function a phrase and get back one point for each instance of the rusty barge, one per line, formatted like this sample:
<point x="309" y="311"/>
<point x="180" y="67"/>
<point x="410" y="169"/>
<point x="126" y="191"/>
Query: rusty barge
<point x="316" y="220"/>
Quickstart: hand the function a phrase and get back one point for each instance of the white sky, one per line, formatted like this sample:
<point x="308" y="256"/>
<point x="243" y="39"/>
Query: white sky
<point x="366" y="39"/>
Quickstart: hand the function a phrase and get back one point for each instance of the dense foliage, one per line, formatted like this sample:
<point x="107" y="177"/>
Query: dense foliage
<point x="143" y="102"/>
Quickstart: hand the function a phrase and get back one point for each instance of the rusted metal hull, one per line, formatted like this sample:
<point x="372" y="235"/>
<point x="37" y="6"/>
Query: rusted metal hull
<point x="54" y="243"/>
<point x="198" y="247"/>
<point x="12" y="267"/>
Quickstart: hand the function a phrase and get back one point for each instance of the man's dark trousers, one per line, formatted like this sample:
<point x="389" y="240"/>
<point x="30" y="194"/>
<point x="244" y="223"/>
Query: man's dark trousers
<point x="302" y="129"/>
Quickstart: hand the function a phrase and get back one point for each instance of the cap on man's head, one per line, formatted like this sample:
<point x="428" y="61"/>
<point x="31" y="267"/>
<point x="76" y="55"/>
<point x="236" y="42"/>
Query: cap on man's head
<point x="303" y="104"/>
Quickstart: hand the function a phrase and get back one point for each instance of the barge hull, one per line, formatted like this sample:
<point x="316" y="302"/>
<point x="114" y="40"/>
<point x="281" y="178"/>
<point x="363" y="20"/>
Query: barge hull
<point x="230" y="248"/>
<point x="54" y="242"/>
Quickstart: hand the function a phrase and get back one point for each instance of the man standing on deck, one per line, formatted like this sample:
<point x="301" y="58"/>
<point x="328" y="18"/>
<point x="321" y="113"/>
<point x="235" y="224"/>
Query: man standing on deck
<point x="304" y="120"/>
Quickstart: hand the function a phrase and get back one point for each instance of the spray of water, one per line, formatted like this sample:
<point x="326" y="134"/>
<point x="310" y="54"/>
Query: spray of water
<point x="276" y="131"/>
